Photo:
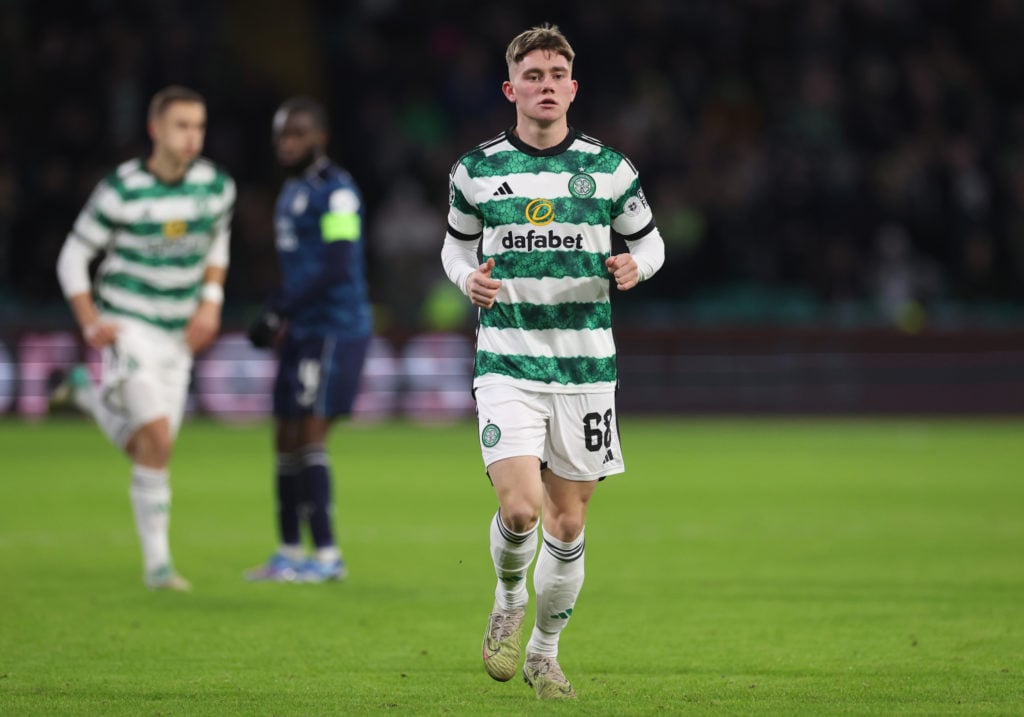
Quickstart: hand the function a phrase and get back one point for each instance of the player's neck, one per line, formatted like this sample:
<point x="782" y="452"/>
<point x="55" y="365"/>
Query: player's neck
<point x="166" y="169"/>
<point x="312" y="163"/>
<point x="541" y="136"/>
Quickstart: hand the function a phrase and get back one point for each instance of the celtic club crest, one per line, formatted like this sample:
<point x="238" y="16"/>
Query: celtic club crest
<point x="490" y="435"/>
<point x="582" y="186"/>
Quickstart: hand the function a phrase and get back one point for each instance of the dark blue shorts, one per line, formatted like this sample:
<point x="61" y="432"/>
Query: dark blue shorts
<point x="318" y="375"/>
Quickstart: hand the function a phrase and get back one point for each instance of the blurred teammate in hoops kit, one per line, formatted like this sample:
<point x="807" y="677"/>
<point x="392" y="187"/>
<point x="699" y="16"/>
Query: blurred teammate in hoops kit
<point x="540" y="201"/>
<point x="320" y="323"/>
<point x="163" y="224"/>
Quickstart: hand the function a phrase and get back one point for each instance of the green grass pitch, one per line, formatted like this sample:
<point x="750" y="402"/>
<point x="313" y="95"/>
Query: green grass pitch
<point x="826" y="566"/>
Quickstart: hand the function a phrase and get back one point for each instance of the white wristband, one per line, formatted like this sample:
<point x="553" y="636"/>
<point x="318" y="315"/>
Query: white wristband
<point x="212" y="292"/>
<point x="90" y="331"/>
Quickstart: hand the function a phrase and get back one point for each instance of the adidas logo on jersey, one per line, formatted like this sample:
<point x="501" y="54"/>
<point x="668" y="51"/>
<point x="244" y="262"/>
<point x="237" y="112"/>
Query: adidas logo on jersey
<point x="503" y="191"/>
<point x="608" y="457"/>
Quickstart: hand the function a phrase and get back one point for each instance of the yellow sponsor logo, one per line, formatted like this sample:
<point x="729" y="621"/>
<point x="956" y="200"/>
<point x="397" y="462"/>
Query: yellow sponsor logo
<point x="540" y="212"/>
<point x="175" y="229"/>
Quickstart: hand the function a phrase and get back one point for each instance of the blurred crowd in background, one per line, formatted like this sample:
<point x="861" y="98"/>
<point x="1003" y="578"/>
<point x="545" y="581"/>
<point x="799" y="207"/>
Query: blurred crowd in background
<point x="856" y="162"/>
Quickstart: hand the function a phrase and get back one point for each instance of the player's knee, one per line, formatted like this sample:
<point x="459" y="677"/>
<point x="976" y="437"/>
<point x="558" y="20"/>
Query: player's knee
<point x="162" y="449"/>
<point x="565" y="527"/>
<point x="155" y="454"/>
<point x="152" y="445"/>
<point x="520" y="517"/>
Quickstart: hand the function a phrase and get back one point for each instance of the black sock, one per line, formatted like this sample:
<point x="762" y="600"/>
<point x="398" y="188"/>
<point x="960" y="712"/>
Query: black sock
<point x="289" y="497"/>
<point x="316" y="479"/>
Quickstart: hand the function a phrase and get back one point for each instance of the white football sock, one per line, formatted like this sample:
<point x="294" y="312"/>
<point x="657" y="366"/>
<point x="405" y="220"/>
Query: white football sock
<point x="328" y="554"/>
<point x="557" y="580"/>
<point x="512" y="554"/>
<point x="292" y="552"/>
<point x="151" y="502"/>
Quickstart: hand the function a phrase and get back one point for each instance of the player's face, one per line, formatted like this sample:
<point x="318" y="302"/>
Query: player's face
<point x="297" y="139"/>
<point x="541" y="86"/>
<point x="180" y="131"/>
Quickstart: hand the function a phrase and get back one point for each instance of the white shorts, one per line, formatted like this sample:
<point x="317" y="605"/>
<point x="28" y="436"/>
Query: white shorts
<point x="145" y="377"/>
<point x="576" y="434"/>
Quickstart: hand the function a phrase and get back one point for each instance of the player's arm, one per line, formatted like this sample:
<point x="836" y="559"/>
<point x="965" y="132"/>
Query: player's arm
<point x="649" y="253"/>
<point x="634" y="220"/>
<point x="645" y="256"/>
<point x="461" y="244"/>
<point x="204" y="324"/>
<point x="340" y="230"/>
<point x="91" y="233"/>
<point x="97" y="333"/>
<point x="337" y="256"/>
<point x="459" y="258"/>
<point x="341" y="227"/>
<point x="202" y="328"/>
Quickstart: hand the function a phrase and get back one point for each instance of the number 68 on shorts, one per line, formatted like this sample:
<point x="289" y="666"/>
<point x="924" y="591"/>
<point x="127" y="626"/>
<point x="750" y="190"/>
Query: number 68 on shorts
<point x="576" y="434"/>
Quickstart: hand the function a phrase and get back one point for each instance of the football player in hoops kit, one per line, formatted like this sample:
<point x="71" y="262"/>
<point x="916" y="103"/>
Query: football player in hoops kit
<point x="539" y="202"/>
<point x="163" y="223"/>
<point x="320" y="323"/>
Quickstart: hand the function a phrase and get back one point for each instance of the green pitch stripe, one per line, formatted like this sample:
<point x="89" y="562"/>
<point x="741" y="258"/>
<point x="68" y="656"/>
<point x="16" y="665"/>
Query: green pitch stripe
<point x="549" y="264"/>
<point x="138" y="286"/>
<point x="575" y="316"/>
<point x="168" y="324"/>
<point x="514" y="162"/>
<point x="568" y="210"/>
<point x="147" y="260"/>
<point x="548" y="369"/>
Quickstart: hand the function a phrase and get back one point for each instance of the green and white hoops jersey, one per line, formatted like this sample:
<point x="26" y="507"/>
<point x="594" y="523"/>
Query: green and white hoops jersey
<point x="546" y="219"/>
<point x="158" y="238"/>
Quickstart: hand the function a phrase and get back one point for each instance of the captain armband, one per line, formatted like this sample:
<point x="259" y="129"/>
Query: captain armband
<point x="335" y="226"/>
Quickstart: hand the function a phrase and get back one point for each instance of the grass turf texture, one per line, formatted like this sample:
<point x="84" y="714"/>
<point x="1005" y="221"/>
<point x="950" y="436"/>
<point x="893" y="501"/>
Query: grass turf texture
<point x="770" y="567"/>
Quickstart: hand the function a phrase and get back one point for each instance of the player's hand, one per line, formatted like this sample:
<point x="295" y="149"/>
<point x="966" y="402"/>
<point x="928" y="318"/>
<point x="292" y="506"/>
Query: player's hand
<point x="202" y="328"/>
<point x="264" y="331"/>
<point x="100" y="333"/>
<point x="480" y="287"/>
<point x="624" y="270"/>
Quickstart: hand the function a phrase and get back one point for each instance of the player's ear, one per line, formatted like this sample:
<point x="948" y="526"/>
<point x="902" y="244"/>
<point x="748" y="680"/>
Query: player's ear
<point x="509" y="91"/>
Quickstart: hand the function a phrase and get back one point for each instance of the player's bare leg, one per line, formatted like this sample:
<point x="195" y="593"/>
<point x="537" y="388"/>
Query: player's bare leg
<point x="513" y="540"/>
<point x="557" y="579"/>
<point x="150" y="451"/>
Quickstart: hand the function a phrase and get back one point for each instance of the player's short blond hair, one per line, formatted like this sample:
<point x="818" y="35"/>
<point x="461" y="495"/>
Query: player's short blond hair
<point x="171" y="94"/>
<point x="542" y="37"/>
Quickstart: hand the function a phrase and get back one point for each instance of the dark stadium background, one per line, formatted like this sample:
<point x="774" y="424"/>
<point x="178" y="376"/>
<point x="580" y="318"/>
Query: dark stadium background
<point x="840" y="184"/>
